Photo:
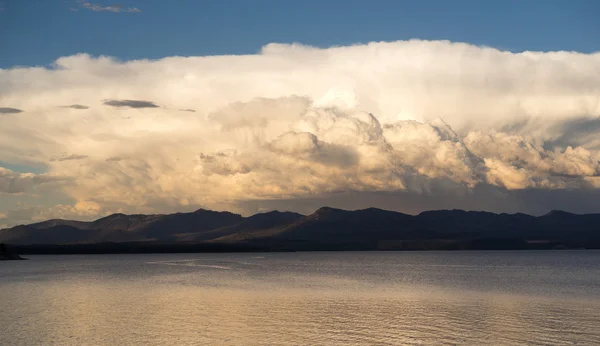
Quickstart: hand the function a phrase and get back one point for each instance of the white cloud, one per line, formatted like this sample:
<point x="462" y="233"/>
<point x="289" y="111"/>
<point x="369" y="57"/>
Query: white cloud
<point x="296" y="121"/>
<point x="112" y="8"/>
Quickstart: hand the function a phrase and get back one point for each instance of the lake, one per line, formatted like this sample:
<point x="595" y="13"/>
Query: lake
<point x="319" y="298"/>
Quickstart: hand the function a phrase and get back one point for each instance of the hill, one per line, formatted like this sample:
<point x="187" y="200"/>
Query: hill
<point x="325" y="229"/>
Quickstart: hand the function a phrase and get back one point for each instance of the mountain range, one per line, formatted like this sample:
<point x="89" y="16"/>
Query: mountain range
<point x="325" y="229"/>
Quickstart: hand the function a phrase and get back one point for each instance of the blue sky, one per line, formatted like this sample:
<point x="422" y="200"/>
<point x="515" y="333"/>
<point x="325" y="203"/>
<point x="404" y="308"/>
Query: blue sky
<point x="36" y="32"/>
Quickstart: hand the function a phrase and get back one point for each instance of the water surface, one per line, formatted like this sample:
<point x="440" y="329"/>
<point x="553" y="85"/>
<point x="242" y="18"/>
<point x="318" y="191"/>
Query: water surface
<point x="335" y="298"/>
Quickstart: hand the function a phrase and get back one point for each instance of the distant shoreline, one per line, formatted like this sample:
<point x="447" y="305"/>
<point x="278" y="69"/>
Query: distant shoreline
<point x="134" y="248"/>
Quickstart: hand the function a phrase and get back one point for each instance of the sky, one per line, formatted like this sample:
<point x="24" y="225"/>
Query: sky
<point x="37" y="32"/>
<point x="160" y="106"/>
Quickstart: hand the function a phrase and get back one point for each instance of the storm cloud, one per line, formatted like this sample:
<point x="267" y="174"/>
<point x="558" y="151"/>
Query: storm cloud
<point x="436" y="123"/>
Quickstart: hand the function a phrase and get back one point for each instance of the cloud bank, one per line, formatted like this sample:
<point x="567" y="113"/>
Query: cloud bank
<point x="293" y="122"/>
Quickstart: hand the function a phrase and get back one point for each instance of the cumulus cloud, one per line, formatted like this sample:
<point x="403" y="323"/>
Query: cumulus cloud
<point x="8" y="110"/>
<point x="130" y="103"/>
<point x="296" y="122"/>
<point x="112" y="8"/>
<point x="518" y="164"/>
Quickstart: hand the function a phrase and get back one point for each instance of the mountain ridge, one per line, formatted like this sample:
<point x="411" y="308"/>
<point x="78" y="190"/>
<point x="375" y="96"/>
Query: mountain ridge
<point x="325" y="228"/>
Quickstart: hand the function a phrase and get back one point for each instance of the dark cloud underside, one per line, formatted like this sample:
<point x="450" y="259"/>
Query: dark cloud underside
<point x="130" y="103"/>
<point x="9" y="110"/>
<point x="76" y="106"/>
<point x="114" y="159"/>
<point x="69" y="158"/>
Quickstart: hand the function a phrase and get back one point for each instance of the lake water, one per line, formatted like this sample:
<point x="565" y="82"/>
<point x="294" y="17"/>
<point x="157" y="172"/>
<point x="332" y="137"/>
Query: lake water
<point x="344" y="298"/>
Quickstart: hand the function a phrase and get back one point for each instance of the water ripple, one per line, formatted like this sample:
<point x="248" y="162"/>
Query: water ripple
<point x="264" y="300"/>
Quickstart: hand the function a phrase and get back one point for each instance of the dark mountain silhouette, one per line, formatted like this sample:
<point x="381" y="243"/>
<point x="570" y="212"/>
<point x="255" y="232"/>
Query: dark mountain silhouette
<point x="118" y="228"/>
<point x="325" y="229"/>
<point x="329" y="226"/>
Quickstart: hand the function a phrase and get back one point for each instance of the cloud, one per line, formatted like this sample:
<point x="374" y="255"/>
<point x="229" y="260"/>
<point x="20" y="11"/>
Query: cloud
<point x="188" y="110"/>
<point x="517" y="164"/>
<point x="112" y="8"/>
<point x="15" y="183"/>
<point x="114" y="159"/>
<point x="130" y="103"/>
<point x="71" y="157"/>
<point x="8" y="110"/>
<point x="76" y="106"/>
<point x="295" y="123"/>
<point x="576" y="132"/>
